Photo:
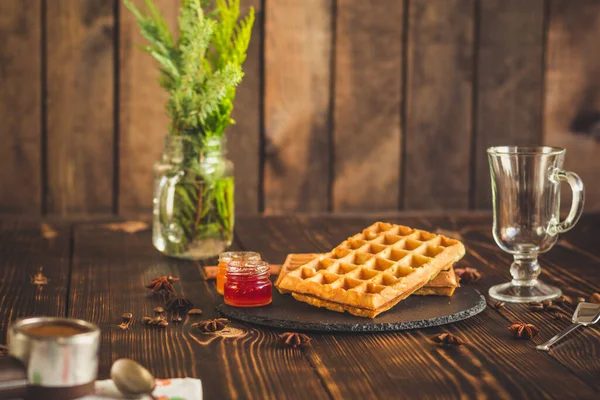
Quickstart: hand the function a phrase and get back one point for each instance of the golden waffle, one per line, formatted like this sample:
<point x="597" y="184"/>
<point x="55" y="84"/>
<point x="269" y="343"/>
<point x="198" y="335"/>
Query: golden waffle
<point x="443" y="284"/>
<point x="372" y="271"/>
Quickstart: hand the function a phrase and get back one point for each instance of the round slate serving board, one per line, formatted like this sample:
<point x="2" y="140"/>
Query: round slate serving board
<point x="411" y="313"/>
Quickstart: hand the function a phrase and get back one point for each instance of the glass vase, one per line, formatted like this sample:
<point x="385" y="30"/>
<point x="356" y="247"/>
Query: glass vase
<point x="193" y="214"/>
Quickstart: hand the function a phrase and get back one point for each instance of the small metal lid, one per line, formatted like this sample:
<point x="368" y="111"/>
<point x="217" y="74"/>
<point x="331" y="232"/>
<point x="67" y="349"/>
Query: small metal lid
<point x="89" y="332"/>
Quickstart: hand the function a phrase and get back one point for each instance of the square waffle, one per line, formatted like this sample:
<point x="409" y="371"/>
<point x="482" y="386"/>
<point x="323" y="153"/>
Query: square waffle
<point x="443" y="284"/>
<point x="372" y="271"/>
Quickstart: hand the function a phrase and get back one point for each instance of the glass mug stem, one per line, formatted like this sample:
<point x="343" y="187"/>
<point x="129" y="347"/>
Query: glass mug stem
<point x="525" y="270"/>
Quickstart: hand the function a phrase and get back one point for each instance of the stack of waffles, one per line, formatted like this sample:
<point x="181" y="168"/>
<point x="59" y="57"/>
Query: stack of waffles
<point x="374" y="270"/>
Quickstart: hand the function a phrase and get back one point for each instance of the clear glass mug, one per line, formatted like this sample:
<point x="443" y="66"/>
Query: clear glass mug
<point x="526" y="196"/>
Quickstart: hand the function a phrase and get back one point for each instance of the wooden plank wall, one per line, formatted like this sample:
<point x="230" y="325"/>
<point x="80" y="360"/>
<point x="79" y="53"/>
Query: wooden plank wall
<point x="346" y="106"/>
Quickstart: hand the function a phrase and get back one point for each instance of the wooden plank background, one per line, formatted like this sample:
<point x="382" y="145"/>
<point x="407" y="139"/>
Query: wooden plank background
<point x="345" y="106"/>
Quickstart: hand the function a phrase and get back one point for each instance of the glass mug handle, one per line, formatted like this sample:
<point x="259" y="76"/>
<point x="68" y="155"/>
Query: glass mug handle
<point x="166" y="190"/>
<point x="576" y="204"/>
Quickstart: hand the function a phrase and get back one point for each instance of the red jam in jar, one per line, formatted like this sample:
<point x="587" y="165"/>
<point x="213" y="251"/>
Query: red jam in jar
<point x="226" y="258"/>
<point x="248" y="284"/>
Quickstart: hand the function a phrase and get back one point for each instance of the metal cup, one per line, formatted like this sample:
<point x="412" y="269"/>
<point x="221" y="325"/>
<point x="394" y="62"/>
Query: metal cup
<point x="66" y="366"/>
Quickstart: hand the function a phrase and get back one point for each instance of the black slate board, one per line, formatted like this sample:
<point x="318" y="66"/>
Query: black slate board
<point x="413" y="313"/>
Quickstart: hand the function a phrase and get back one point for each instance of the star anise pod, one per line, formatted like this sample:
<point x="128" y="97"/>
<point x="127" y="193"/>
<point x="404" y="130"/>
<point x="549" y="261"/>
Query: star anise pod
<point x="448" y="340"/>
<point x="179" y="304"/>
<point x="212" y="325"/>
<point x="595" y="298"/>
<point x="467" y="275"/>
<point x="162" y="284"/>
<point x="545" y="305"/>
<point x="564" y="299"/>
<point x="39" y="278"/>
<point x="522" y="330"/>
<point x="294" y="339"/>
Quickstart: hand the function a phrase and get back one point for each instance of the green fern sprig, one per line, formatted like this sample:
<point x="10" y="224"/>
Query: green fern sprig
<point x="203" y="67"/>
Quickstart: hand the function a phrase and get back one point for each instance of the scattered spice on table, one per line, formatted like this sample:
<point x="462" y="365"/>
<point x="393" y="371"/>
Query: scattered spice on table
<point x="176" y="319"/>
<point x="522" y="330"/>
<point x="179" y="304"/>
<point x="564" y="299"/>
<point x="498" y="304"/>
<point x="158" y="320"/>
<point x="448" y="340"/>
<point x="47" y="231"/>
<point x="467" y="275"/>
<point x="197" y="311"/>
<point x="39" y="278"/>
<point x="211" y="325"/>
<point x="124" y="325"/>
<point x="126" y="320"/>
<point x="545" y="305"/>
<point x="127" y="226"/>
<point x="559" y="317"/>
<point x="162" y="284"/>
<point x="293" y="339"/>
<point x="450" y="234"/>
<point x="158" y="310"/>
<point x="595" y="298"/>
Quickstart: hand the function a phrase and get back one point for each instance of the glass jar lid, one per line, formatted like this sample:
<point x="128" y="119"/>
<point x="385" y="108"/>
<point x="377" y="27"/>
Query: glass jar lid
<point x="239" y="255"/>
<point x="247" y="267"/>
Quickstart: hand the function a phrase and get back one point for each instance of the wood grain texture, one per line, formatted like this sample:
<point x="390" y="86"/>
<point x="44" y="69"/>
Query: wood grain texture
<point x="243" y="138"/>
<point x="509" y="82"/>
<point x="110" y="268"/>
<point x="297" y="97"/>
<point x="23" y="251"/>
<point x="566" y="269"/>
<point x="368" y="92"/>
<point x="493" y="364"/>
<point x="439" y="104"/>
<point x="80" y="48"/>
<point x="572" y="112"/>
<point x="582" y="239"/>
<point x="143" y="121"/>
<point x="109" y="273"/>
<point x="20" y="106"/>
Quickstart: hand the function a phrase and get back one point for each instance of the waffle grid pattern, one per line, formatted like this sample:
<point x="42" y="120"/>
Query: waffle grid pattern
<point x="375" y="266"/>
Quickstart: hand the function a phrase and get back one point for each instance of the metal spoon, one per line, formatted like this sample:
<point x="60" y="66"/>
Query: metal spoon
<point x="131" y="378"/>
<point x="585" y="314"/>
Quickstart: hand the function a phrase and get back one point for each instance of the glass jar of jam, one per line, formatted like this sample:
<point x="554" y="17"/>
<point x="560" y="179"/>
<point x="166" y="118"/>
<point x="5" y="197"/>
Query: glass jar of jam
<point x="226" y="258"/>
<point x="248" y="284"/>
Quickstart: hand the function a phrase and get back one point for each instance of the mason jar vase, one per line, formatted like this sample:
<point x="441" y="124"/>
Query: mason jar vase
<point x="193" y="214"/>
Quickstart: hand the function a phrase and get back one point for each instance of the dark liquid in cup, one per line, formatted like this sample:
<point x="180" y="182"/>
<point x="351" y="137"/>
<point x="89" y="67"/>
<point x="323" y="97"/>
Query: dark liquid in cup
<point x="54" y="330"/>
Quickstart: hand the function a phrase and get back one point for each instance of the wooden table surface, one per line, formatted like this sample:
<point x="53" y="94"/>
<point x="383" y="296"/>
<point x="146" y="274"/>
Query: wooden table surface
<point x="97" y="274"/>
